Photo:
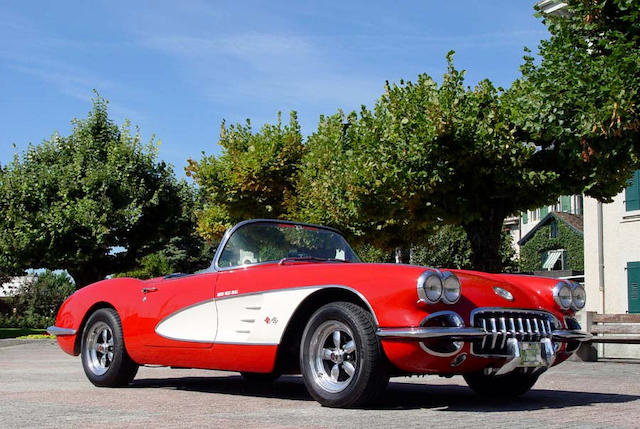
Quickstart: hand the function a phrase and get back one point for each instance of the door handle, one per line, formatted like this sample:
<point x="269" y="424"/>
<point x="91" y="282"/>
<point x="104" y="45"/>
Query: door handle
<point x="149" y="289"/>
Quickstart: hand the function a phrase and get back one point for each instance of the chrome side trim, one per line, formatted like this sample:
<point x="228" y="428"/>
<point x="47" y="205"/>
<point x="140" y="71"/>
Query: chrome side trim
<point x="419" y="334"/>
<point x="60" y="332"/>
<point x="566" y="335"/>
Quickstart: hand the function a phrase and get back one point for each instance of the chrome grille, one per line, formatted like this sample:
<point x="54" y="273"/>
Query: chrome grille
<point x="502" y="323"/>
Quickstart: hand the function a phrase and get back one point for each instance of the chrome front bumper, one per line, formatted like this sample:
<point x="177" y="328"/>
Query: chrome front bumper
<point x="456" y="333"/>
<point x="512" y="355"/>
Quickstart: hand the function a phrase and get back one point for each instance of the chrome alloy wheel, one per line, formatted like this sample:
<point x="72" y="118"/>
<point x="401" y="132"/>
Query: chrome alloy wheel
<point x="333" y="357"/>
<point x="99" y="348"/>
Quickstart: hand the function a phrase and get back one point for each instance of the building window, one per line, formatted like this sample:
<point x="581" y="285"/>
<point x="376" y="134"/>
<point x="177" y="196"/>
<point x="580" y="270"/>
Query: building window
<point x="565" y="201"/>
<point x="578" y="205"/>
<point x="632" y="193"/>
<point x="553" y="229"/>
<point x="544" y="211"/>
<point x="633" y="278"/>
<point x="525" y="217"/>
<point x="554" y="260"/>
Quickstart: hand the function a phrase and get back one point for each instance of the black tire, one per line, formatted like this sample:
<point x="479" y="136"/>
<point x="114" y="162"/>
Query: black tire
<point x="104" y="357"/>
<point x="515" y="383"/>
<point x="260" y="378"/>
<point x="362" y="374"/>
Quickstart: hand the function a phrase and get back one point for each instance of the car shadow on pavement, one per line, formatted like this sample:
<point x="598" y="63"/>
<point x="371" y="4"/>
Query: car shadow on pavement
<point x="398" y="395"/>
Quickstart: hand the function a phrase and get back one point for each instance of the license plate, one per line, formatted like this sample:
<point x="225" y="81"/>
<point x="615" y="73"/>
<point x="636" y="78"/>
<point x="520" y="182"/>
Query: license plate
<point x="531" y="354"/>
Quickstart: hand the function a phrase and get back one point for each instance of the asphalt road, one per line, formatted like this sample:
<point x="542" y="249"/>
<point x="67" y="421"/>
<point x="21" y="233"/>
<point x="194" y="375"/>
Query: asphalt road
<point x="40" y="386"/>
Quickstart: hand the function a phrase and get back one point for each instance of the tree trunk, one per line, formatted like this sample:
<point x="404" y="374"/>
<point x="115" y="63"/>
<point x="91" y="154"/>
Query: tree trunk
<point x="403" y="255"/>
<point x="485" y="237"/>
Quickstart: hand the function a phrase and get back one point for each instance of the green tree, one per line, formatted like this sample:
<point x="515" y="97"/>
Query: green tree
<point x="448" y="247"/>
<point x="38" y="301"/>
<point x="579" y="105"/>
<point x="254" y="176"/>
<point x="428" y="154"/>
<point x="68" y="202"/>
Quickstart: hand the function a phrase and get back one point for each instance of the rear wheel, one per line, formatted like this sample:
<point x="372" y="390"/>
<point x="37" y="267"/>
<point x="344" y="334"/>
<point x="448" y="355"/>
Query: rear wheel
<point x="104" y="357"/>
<point x="341" y="358"/>
<point x="501" y="386"/>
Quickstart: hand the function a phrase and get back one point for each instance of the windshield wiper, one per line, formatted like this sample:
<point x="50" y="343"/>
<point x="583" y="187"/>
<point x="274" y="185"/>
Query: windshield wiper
<point x="309" y="259"/>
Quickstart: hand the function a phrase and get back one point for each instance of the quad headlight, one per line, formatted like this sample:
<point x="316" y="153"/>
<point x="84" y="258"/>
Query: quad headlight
<point x="435" y="286"/>
<point x="568" y="294"/>
<point x="451" y="291"/>
<point x="579" y="296"/>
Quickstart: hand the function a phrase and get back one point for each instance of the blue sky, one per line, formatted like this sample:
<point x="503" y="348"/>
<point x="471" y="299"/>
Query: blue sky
<point x="176" y="69"/>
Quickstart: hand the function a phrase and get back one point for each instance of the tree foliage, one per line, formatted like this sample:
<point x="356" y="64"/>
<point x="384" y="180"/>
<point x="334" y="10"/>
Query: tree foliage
<point x="253" y="177"/>
<point x="579" y="105"/>
<point x="68" y="202"/>
<point x="428" y="154"/>
<point x="37" y="302"/>
<point x="449" y="247"/>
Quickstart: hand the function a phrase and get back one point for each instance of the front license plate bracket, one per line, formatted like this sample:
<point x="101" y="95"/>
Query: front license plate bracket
<point x="531" y="355"/>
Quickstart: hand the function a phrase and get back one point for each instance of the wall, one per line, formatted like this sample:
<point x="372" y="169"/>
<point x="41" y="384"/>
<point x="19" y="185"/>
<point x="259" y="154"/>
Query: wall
<point x="621" y="239"/>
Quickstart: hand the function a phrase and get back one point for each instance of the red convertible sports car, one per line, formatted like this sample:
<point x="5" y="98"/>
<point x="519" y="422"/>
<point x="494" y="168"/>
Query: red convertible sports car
<point x="284" y="298"/>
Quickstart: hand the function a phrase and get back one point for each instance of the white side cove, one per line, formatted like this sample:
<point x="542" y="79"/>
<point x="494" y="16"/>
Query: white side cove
<point x="195" y="323"/>
<point x="259" y="318"/>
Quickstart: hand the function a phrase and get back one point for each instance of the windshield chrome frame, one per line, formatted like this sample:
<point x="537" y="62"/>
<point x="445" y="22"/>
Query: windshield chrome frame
<point x="228" y="233"/>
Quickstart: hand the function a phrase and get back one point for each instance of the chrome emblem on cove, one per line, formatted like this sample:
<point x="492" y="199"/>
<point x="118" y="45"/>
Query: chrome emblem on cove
<point x="503" y="293"/>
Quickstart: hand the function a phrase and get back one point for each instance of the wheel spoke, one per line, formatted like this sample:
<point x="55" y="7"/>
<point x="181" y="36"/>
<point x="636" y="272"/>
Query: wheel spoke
<point x="326" y="354"/>
<point x="349" y="368"/>
<point x="336" y="339"/>
<point x="349" y="347"/>
<point x="103" y="360"/>
<point x="104" y="336"/>
<point x="110" y="356"/>
<point x="335" y="372"/>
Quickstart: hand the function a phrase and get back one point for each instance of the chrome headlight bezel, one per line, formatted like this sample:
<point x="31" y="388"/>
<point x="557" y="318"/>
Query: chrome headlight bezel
<point x="578" y="296"/>
<point x="451" y="288"/>
<point x="563" y="295"/>
<point x="426" y="282"/>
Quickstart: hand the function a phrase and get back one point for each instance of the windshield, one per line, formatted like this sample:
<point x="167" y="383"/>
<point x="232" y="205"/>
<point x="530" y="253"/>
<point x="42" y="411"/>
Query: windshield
<point x="258" y="242"/>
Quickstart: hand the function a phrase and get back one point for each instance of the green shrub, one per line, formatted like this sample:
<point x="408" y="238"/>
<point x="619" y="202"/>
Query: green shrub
<point x="37" y="303"/>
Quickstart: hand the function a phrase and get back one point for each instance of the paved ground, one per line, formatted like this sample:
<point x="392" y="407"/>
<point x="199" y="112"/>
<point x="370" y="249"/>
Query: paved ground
<point x="40" y="386"/>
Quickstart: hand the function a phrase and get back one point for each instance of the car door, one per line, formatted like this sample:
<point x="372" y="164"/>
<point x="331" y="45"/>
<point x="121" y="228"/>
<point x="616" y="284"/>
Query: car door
<point x="175" y="313"/>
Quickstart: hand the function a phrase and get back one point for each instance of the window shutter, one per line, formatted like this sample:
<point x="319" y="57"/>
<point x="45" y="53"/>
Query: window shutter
<point x="566" y="203"/>
<point x="525" y="217"/>
<point x="633" y="276"/>
<point x="632" y="193"/>
<point x="544" y="211"/>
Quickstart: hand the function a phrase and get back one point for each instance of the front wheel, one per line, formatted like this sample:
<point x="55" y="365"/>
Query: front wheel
<point x="341" y="358"/>
<point x="104" y="357"/>
<point x="501" y="386"/>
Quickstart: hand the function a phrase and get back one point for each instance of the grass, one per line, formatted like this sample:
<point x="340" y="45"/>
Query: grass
<point x="21" y="332"/>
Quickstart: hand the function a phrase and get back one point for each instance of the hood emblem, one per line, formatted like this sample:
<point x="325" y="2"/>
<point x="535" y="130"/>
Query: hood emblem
<point x="503" y="293"/>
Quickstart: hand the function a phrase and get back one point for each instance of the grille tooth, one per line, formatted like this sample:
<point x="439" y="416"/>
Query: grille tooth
<point x="512" y="327"/>
<point x="503" y="331"/>
<point x="543" y="329"/>
<point x="529" y="330"/>
<point x="521" y="326"/>
<point x="484" y="326"/>
<point x="494" y="332"/>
